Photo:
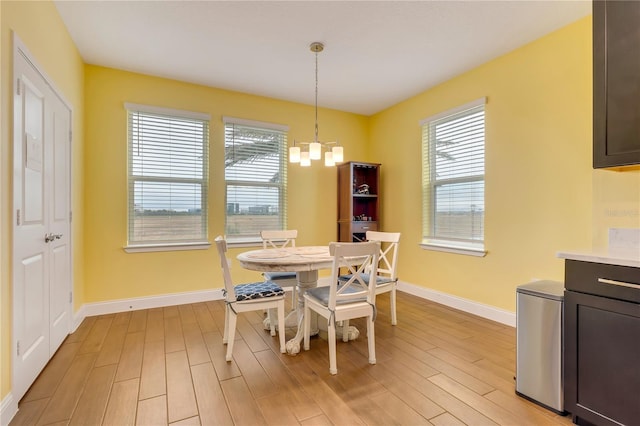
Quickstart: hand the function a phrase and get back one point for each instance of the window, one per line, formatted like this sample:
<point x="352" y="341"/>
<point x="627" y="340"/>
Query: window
<point x="168" y="176"/>
<point x="255" y="176"/>
<point x="453" y="180"/>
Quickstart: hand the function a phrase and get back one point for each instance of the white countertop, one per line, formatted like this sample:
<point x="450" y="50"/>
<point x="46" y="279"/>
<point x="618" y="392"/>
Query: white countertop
<point x="611" y="257"/>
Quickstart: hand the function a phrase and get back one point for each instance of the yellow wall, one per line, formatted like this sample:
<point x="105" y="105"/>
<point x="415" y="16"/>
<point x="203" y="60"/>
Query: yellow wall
<point x="113" y="274"/>
<point x="40" y="28"/>
<point x="538" y="168"/>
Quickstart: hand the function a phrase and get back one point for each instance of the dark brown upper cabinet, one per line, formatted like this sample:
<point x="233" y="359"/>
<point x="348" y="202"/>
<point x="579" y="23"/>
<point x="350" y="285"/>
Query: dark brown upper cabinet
<point x="616" y="83"/>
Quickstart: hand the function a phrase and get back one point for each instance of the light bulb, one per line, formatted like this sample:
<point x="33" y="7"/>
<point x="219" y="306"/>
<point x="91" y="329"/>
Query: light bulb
<point x="315" y="151"/>
<point x="338" y="154"/>
<point x="328" y="159"/>
<point x="294" y="154"/>
<point x="305" y="161"/>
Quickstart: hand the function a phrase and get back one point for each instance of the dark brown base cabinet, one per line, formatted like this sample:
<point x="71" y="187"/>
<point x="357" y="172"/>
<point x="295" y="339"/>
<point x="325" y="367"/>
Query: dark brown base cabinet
<point x="602" y="343"/>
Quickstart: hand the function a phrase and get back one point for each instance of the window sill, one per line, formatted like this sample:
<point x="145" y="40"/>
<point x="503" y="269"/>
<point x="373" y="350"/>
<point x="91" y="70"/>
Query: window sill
<point x="454" y="248"/>
<point x="244" y="242"/>
<point x="145" y="248"/>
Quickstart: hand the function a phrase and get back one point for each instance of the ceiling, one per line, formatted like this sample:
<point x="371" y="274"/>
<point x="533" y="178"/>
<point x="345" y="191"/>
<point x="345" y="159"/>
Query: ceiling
<point x="377" y="53"/>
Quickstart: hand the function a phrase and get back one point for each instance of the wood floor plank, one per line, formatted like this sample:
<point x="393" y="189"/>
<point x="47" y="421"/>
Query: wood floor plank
<point x="194" y="343"/>
<point x="477" y="402"/>
<point x="204" y="318"/>
<point x="244" y="410"/>
<point x="48" y="381"/>
<point x="93" y="342"/>
<point x="255" y="376"/>
<point x="112" y="346"/>
<point x="82" y="331"/>
<point x="138" y="321"/>
<point x="397" y="410"/>
<point x="191" y="421"/>
<point x="249" y="334"/>
<point x="320" y="420"/>
<point x="301" y="404"/>
<point x="276" y="409"/>
<point x="446" y="419"/>
<point x="152" y="411"/>
<point x="153" y="379"/>
<point x="212" y="406"/>
<point x="187" y="315"/>
<point x="181" y="399"/>
<point x="123" y="404"/>
<point x="217" y="352"/>
<point x="173" y="336"/>
<point x="67" y="394"/>
<point x="130" y="365"/>
<point x="155" y="325"/>
<point x="93" y="402"/>
<point x="29" y="412"/>
<point x="522" y="408"/>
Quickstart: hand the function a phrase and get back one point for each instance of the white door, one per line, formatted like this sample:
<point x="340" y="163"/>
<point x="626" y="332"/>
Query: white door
<point x="41" y="237"/>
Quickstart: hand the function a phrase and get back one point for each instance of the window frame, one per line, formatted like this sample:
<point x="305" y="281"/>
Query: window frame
<point x="135" y="246"/>
<point x="429" y="240"/>
<point x="253" y="239"/>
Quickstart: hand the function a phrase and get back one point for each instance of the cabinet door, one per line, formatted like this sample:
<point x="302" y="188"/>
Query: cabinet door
<point x="602" y="352"/>
<point x="616" y="83"/>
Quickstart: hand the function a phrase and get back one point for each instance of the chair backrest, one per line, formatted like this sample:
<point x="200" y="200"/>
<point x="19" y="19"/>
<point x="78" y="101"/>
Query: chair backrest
<point x="356" y="258"/>
<point x="221" y="244"/>
<point x="389" y="242"/>
<point x="279" y="239"/>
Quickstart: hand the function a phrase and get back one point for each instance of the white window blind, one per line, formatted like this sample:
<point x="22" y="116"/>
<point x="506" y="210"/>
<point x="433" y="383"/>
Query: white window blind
<point x="453" y="146"/>
<point x="168" y="176"/>
<point x="255" y="177"/>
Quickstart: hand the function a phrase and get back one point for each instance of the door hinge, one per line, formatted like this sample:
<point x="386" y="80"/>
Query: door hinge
<point x="70" y="135"/>
<point x="18" y="87"/>
<point x="70" y="297"/>
<point x="18" y="348"/>
<point x="70" y="216"/>
<point x="18" y="217"/>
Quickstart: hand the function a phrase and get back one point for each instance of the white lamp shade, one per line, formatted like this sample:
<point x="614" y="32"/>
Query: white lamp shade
<point x="294" y="154"/>
<point x="305" y="161"/>
<point x="328" y="159"/>
<point x="338" y="154"/>
<point x="315" y="151"/>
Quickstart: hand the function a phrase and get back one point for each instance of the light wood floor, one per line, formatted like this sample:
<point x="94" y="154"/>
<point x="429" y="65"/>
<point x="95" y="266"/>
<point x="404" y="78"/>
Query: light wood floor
<point x="166" y="366"/>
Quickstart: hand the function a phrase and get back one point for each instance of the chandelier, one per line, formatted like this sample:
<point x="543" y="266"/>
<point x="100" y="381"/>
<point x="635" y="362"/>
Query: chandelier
<point x="304" y="152"/>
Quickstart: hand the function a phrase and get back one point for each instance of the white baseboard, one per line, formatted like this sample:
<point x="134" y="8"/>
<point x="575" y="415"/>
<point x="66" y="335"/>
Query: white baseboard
<point x="8" y="409"/>
<point x="114" y="306"/>
<point x="134" y="304"/>
<point x="466" y="305"/>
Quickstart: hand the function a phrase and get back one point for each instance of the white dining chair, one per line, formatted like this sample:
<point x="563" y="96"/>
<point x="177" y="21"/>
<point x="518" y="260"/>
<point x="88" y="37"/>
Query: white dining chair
<point x="386" y="278"/>
<point x="245" y="298"/>
<point x="344" y="300"/>
<point x="281" y="239"/>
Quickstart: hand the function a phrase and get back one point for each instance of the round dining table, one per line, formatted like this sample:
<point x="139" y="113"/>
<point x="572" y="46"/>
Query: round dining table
<point x="305" y="262"/>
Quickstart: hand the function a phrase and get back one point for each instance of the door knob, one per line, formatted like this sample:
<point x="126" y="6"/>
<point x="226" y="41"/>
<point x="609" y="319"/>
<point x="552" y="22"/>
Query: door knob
<point x="51" y="237"/>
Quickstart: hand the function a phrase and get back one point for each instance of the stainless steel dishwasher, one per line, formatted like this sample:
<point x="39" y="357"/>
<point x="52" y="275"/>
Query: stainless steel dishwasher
<point x="539" y="343"/>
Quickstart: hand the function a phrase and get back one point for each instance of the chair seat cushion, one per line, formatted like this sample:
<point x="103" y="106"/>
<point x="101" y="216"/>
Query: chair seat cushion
<point x="257" y="290"/>
<point x="279" y="276"/>
<point x="322" y="295"/>
<point x="365" y="277"/>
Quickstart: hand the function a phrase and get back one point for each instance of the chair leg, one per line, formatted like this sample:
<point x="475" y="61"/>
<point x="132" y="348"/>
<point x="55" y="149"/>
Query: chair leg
<point x="306" y="326"/>
<point x="283" y="348"/>
<point x="333" y="368"/>
<point x="271" y="322"/>
<point x="225" y="335"/>
<point x="345" y="330"/>
<point x="232" y="334"/>
<point x="371" y="339"/>
<point x="392" y="302"/>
